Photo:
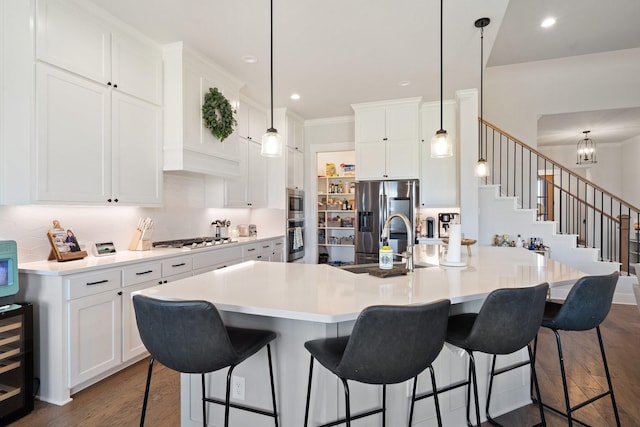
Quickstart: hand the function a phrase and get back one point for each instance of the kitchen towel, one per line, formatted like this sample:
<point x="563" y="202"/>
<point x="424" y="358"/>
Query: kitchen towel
<point x="455" y="243"/>
<point x="297" y="238"/>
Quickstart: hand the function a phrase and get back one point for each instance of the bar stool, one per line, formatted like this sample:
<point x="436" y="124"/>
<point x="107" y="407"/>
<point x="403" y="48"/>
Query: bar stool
<point x="585" y="308"/>
<point x="190" y="337"/>
<point x="508" y="321"/>
<point x="388" y="345"/>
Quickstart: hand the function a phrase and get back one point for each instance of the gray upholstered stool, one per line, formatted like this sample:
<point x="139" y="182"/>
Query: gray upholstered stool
<point x="508" y="321"/>
<point x="388" y="345"/>
<point x="585" y="308"/>
<point x="190" y="337"/>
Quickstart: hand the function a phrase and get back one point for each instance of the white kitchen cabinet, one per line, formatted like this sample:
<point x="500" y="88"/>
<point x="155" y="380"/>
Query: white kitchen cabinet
<point x="259" y="251"/>
<point x="78" y="40"/>
<point x="188" y="144"/>
<point x="277" y="251"/>
<point x="252" y="120"/>
<point x="387" y="145"/>
<point x="95" y="324"/>
<point x="219" y="258"/>
<point x="94" y="145"/>
<point x="286" y="171"/>
<point x="438" y="176"/>
<point x="249" y="189"/>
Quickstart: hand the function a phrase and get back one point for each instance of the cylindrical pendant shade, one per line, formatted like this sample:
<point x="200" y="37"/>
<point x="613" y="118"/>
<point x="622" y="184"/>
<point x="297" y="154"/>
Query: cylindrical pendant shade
<point x="271" y="144"/>
<point x="441" y="145"/>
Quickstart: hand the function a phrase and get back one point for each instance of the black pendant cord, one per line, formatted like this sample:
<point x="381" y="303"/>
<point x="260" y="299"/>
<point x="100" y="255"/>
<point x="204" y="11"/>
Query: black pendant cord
<point x="441" y="56"/>
<point x="481" y="86"/>
<point x="271" y="60"/>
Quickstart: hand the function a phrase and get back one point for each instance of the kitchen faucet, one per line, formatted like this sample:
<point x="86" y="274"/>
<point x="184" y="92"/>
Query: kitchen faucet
<point x="408" y="254"/>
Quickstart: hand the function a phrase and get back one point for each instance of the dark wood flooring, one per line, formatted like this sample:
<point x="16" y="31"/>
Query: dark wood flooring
<point x="117" y="400"/>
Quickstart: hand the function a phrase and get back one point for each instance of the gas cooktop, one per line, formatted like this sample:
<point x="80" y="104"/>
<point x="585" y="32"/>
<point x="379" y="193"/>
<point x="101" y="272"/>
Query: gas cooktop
<point x="194" y="243"/>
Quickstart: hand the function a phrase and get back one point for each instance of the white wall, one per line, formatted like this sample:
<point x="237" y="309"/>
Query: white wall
<point x="515" y="95"/>
<point x="631" y="171"/>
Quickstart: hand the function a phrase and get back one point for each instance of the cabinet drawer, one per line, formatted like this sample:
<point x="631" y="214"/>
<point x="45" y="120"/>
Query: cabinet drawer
<point x="254" y="249"/>
<point x="91" y="284"/>
<point x="177" y="266"/>
<point x="216" y="256"/>
<point x="141" y="273"/>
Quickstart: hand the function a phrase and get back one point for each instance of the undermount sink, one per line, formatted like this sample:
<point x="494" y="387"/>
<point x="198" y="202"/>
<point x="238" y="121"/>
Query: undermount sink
<point x="364" y="268"/>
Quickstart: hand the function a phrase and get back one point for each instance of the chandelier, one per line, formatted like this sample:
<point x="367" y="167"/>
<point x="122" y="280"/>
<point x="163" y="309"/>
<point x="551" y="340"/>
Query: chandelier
<point x="586" y="151"/>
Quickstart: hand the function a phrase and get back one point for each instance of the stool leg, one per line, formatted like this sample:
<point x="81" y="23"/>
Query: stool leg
<point x="606" y="371"/>
<point x="273" y="387"/>
<point x="347" y="404"/>
<point x="435" y="395"/>
<point x="472" y="365"/>
<point x="384" y="405"/>
<point x="306" y="411"/>
<point x="491" y="375"/>
<point x="413" y="399"/>
<point x="565" y="388"/>
<point x="227" y="397"/>
<point x="534" y="377"/>
<point x="204" y="402"/>
<point x="146" y="392"/>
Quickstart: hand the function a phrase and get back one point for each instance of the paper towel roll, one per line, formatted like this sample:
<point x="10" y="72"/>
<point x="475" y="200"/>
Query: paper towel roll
<point x="455" y="243"/>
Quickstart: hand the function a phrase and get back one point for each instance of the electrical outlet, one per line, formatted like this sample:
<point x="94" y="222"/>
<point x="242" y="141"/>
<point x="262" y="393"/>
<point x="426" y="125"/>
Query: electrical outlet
<point x="237" y="387"/>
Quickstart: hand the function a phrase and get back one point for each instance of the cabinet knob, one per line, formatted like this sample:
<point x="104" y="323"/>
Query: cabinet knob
<point x="115" y="86"/>
<point x="120" y="293"/>
<point x="384" y="139"/>
<point x="109" y="200"/>
<point x="108" y="83"/>
<point x="115" y="200"/>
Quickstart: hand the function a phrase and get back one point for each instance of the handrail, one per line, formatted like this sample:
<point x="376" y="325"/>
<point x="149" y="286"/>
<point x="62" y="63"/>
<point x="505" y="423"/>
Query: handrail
<point x="569" y="171"/>
<point x="580" y="207"/>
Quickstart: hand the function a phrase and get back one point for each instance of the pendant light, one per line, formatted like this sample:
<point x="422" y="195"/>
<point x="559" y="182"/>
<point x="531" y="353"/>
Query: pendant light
<point x="586" y="151"/>
<point x="271" y="140"/>
<point x="482" y="166"/>
<point x="441" y="145"/>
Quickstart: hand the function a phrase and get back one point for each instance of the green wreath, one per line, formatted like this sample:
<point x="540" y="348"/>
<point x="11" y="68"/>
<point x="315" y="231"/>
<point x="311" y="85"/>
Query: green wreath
<point x="217" y="114"/>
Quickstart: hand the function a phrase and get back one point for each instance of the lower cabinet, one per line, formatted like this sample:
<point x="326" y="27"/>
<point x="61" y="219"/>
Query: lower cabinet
<point x="86" y="324"/>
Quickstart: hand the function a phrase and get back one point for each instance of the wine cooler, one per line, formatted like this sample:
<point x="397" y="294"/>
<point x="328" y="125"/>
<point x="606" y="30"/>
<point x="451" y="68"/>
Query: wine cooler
<point x="16" y="361"/>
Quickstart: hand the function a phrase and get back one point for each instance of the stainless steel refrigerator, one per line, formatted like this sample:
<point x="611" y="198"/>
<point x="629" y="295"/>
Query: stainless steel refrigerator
<point x="375" y="201"/>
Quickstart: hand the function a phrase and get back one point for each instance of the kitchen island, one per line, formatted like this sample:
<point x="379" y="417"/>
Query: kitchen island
<point x="302" y="302"/>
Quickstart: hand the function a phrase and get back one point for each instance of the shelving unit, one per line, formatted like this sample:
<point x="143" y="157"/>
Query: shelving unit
<point x="634" y="248"/>
<point x="16" y="362"/>
<point x="336" y="218"/>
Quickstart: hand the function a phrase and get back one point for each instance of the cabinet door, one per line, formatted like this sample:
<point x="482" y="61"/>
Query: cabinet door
<point x="370" y="159"/>
<point x="257" y="177"/>
<point x="370" y="125"/>
<point x="258" y="124"/>
<point x="402" y="159"/>
<point x="401" y="122"/>
<point x="73" y="122"/>
<point x="235" y="189"/>
<point x="438" y="177"/>
<point x="136" y="68"/>
<point x="70" y="38"/>
<point x="95" y="335"/>
<point x="137" y="151"/>
<point x="295" y="168"/>
<point x="131" y="343"/>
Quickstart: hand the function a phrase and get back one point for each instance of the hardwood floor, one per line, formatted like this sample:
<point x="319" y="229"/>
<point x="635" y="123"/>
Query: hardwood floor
<point x="117" y="400"/>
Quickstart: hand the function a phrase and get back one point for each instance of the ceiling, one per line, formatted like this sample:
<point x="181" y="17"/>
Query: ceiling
<point x="338" y="52"/>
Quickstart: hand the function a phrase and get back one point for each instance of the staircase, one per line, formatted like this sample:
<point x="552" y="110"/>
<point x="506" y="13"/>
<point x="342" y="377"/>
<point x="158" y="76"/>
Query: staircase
<point x="582" y="225"/>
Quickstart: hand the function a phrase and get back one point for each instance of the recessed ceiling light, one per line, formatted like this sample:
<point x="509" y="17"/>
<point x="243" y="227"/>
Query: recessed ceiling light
<point x="548" y="22"/>
<point x="249" y="59"/>
<point x="404" y="83"/>
<point x="295" y="96"/>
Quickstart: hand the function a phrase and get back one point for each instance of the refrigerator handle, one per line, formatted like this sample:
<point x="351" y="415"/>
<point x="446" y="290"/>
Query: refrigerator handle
<point x="384" y="209"/>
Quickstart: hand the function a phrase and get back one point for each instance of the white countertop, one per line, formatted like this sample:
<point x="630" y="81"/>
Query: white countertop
<point x="322" y="293"/>
<point x="121" y="258"/>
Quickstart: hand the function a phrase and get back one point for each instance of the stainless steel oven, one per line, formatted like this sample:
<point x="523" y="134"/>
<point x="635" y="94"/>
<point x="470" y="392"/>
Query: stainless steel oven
<point x="295" y="239"/>
<point x="295" y="203"/>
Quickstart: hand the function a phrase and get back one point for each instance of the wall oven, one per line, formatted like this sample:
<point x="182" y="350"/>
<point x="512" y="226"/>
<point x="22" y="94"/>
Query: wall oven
<point x="295" y="224"/>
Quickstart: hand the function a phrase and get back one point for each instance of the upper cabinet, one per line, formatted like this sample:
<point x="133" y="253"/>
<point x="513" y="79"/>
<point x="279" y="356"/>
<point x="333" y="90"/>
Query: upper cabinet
<point x="387" y="135"/>
<point x="97" y="139"/>
<point x="188" y="144"/>
<point x="83" y="43"/>
<point x="438" y="176"/>
<point x="252" y="120"/>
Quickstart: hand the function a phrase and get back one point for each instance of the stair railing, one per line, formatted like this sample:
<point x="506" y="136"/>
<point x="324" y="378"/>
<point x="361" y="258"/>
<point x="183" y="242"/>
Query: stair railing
<point x="599" y="219"/>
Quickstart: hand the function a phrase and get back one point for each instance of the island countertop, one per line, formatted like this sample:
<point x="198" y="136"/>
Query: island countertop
<point x="326" y="294"/>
